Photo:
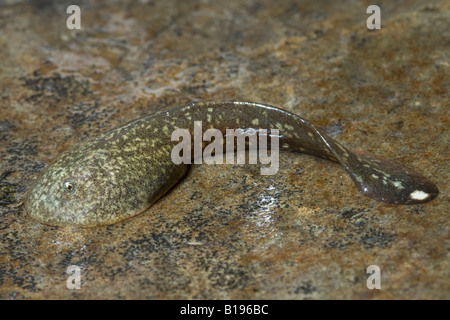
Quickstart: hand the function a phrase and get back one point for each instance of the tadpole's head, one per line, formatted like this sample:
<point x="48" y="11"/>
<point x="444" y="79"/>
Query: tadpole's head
<point x="99" y="182"/>
<point x="73" y="191"/>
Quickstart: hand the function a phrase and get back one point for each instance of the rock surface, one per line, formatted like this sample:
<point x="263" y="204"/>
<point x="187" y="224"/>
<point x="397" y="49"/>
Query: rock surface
<point x="226" y="232"/>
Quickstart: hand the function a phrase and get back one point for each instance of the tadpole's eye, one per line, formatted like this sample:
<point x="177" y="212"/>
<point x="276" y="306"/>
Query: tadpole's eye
<point x="69" y="186"/>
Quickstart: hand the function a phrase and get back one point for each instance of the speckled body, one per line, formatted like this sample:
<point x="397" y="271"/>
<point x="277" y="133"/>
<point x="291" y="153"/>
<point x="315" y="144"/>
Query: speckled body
<point x="124" y="171"/>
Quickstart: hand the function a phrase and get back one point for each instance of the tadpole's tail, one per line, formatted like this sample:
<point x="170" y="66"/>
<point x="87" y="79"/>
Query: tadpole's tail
<point x="382" y="179"/>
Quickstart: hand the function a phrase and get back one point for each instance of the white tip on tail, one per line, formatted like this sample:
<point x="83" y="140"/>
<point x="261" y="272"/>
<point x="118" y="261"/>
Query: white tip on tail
<point x="419" y="195"/>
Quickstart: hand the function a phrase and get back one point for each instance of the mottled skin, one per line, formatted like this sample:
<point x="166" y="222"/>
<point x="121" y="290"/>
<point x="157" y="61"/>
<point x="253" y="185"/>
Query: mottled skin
<point x="122" y="172"/>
